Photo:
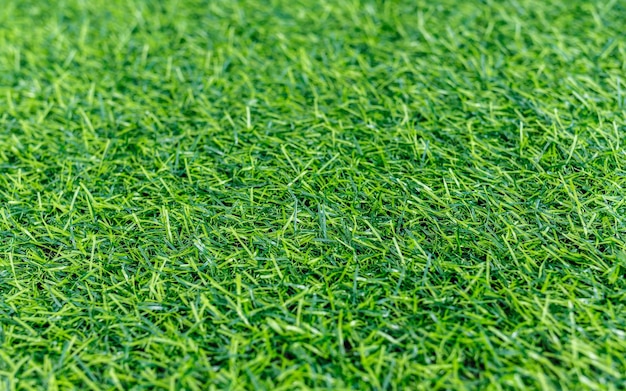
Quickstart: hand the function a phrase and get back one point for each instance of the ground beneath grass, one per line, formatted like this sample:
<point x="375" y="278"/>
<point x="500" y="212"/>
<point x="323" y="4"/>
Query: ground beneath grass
<point x="312" y="194"/>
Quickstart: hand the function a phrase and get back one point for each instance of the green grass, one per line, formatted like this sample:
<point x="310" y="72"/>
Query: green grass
<point x="295" y="194"/>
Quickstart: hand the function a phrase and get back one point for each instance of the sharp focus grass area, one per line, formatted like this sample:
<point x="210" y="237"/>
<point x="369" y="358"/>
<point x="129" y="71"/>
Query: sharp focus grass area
<point x="296" y="194"/>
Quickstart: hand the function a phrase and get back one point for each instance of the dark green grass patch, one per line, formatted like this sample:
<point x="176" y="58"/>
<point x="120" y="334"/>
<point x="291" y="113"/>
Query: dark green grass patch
<point x="302" y="194"/>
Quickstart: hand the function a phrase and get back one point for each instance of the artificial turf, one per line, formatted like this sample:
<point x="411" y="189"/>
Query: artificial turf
<point x="294" y="194"/>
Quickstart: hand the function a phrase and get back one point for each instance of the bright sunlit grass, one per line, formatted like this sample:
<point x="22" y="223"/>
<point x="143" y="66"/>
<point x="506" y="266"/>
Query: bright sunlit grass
<point x="296" y="194"/>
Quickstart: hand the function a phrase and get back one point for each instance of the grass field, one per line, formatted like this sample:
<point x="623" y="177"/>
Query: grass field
<point x="295" y="194"/>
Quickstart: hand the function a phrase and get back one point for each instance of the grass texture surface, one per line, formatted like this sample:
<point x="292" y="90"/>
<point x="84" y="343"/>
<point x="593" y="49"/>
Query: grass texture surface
<point x="296" y="194"/>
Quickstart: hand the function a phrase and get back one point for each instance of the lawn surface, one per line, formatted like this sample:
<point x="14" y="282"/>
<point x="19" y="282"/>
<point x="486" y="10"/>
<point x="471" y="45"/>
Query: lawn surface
<point x="296" y="194"/>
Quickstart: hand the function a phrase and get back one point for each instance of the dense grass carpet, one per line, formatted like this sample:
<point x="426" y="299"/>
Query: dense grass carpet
<point x="296" y="194"/>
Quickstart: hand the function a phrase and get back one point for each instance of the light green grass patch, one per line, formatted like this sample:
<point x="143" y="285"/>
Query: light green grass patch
<point x="312" y="194"/>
